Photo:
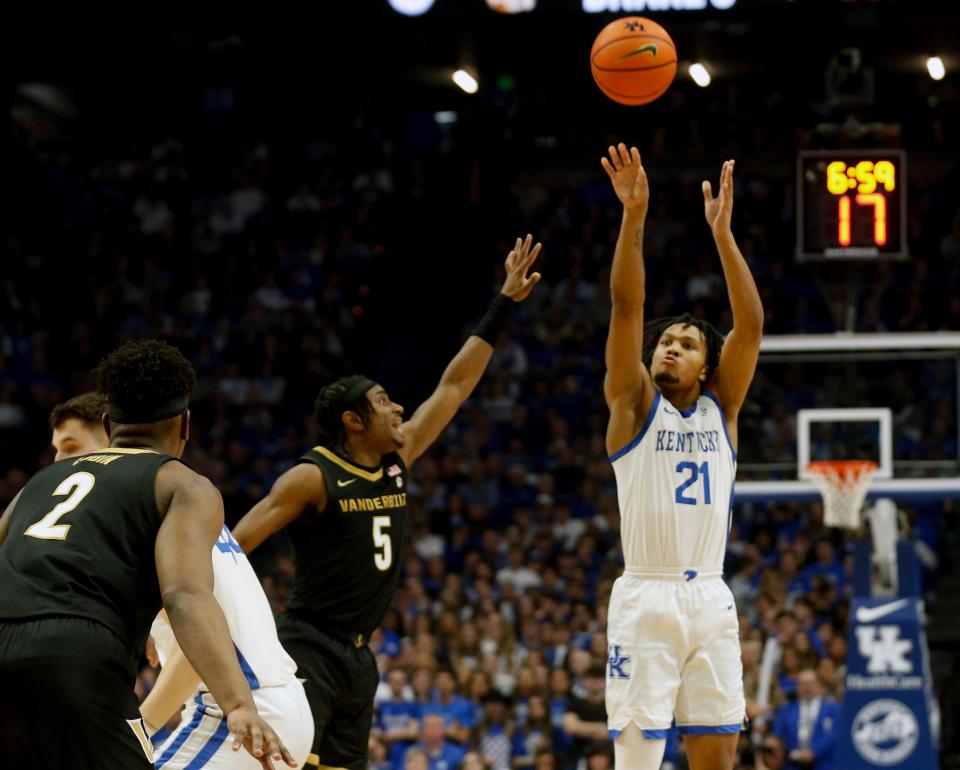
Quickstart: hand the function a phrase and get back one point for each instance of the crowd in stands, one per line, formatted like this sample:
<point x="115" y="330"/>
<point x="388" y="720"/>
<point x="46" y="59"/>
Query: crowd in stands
<point x="259" y="263"/>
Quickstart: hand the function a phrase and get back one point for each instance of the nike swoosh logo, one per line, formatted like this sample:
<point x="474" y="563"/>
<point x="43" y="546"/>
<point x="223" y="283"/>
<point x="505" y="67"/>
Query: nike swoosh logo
<point x="668" y="410"/>
<point x="642" y="49"/>
<point x="344" y="483"/>
<point x="870" y="614"/>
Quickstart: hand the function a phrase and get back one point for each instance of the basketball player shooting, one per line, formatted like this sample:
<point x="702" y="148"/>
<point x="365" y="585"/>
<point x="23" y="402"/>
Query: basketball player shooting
<point x="674" y="391"/>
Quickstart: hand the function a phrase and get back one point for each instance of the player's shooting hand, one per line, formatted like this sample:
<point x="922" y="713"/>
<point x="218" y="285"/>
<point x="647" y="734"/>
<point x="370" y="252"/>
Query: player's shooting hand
<point x="628" y="177"/>
<point x="718" y="210"/>
<point x="252" y="733"/>
<point x="518" y="284"/>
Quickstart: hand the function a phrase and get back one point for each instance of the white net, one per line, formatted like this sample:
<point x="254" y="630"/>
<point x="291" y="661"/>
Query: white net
<point x="843" y="484"/>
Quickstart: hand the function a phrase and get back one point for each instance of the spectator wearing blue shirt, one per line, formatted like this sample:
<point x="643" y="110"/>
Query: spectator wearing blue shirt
<point x="536" y="735"/>
<point x="559" y="700"/>
<point x="457" y="713"/>
<point x="808" y="726"/>
<point x="440" y="753"/>
<point x="398" y="718"/>
<point x="827" y="566"/>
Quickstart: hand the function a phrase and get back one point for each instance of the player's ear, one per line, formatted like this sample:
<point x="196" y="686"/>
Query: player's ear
<point x="352" y="421"/>
<point x="704" y="375"/>
<point x="105" y="420"/>
<point x="185" y="426"/>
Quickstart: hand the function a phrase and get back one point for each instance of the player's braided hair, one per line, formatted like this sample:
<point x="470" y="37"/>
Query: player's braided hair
<point x="144" y="381"/>
<point x="87" y="407"/>
<point x="335" y="399"/>
<point x="653" y="330"/>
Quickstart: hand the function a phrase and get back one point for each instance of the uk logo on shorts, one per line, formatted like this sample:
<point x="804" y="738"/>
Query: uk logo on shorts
<point x="885" y="732"/>
<point x="616" y="663"/>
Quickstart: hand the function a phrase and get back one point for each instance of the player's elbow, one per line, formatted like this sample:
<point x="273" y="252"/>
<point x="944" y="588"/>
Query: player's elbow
<point x="627" y="303"/>
<point x="184" y="601"/>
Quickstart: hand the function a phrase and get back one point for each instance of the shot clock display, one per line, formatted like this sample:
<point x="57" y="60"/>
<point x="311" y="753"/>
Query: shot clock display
<point x="851" y="205"/>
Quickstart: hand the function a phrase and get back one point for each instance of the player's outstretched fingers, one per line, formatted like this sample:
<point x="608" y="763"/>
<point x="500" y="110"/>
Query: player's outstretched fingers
<point x="256" y="741"/>
<point x="635" y="157"/>
<point x="607" y="167"/>
<point x="624" y="154"/>
<point x="277" y="750"/>
<point x="239" y="738"/>
<point x="707" y="191"/>
<point x="614" y="158"/>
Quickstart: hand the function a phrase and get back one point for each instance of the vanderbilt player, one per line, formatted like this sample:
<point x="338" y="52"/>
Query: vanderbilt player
<point x="671" y="437"/>
<point x="87" y="550"/>
<point x="346" y="503"/>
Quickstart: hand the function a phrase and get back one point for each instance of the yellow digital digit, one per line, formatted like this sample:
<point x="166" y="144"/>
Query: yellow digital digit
<point x="837" y="180"/>
<point x="886" y="174"/>
<point x="868" y="182"/>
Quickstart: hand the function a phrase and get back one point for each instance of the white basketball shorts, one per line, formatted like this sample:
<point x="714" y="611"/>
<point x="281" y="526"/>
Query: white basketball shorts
<point x="674" y="651"/>
<point x="202" y="739"/>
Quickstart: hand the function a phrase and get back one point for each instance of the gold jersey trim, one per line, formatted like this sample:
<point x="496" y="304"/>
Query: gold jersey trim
<point x="349" y="466"/>
<point x="127" y="450"/>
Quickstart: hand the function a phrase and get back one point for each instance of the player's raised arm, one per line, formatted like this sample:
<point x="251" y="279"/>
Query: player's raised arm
<point x="465" y="370"/>
<point x="297" y="490"/>
<point x="738" y="359"/>
<point x="191" y="524"/>
<point x="627" y="386"/>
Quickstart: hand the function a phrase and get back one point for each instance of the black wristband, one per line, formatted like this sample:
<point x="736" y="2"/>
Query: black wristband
<point x="494" y="319"/>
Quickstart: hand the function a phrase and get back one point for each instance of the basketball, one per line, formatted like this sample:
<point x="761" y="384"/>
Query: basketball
<point x="633" y="60"/>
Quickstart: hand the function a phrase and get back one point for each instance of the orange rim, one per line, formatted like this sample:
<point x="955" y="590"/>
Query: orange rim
<point x="842" y="468"/>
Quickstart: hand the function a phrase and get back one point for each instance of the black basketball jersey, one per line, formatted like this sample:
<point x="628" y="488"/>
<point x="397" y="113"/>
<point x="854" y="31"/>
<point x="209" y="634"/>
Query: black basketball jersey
<point x="81" y="543"/>
<point x="348" y="555"/>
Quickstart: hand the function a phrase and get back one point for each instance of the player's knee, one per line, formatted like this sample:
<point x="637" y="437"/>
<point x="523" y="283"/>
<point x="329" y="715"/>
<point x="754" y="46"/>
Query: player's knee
<point x="632" y="751"/>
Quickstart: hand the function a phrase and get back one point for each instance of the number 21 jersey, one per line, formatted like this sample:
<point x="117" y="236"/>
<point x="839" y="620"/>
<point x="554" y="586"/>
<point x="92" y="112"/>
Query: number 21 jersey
<point x="675" y="488"/>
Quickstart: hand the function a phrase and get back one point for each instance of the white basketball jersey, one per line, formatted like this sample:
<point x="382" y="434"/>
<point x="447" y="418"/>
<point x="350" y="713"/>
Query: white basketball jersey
<point x="675" y="488"/>
<point x="245" y="606"/>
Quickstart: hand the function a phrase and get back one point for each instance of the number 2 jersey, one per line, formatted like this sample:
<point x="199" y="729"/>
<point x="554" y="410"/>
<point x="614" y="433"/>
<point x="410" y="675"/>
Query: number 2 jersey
<point x="348" y="555"/>
<point x="675" y="488"/>
<point x="81" y="542"/>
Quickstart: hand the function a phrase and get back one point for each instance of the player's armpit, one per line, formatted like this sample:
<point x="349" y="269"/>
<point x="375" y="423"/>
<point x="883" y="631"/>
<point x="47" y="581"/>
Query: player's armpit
<point x="296" y="491"/>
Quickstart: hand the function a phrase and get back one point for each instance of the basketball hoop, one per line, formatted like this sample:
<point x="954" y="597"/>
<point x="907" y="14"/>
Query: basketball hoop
<point x="843" y="485"/>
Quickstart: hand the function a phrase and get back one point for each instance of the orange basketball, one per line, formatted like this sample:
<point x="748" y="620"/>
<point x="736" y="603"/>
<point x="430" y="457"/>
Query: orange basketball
<point x="633" y="60"/>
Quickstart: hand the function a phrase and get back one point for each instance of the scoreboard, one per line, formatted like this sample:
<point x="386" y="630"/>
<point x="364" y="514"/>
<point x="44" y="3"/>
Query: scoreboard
<point x="851" y="204"/>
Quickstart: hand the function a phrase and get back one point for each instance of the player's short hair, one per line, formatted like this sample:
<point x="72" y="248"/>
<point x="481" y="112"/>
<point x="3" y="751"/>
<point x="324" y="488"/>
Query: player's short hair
<point x="87" y="407"/>
<point x="145" y="381"/>
<point x="653" y="330"/>
<point x="347" y="394"/>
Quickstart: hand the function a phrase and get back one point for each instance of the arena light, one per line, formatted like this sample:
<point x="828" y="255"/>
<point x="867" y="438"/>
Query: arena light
<point x="411" y="7"/>
<point x="466" y="81"/>
<point x="699" y="74"/>
<point x="935" y="68"/>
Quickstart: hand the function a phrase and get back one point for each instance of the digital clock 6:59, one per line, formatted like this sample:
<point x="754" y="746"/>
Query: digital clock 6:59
<point x="851" y="205"/>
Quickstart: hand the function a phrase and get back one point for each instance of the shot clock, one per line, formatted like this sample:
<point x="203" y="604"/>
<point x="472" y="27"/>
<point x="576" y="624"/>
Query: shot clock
<point x="851" y="205"/>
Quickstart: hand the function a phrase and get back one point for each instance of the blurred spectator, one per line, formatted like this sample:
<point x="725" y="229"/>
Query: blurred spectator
<point x="433" y="749"/>
<point x="808" y="726"/>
